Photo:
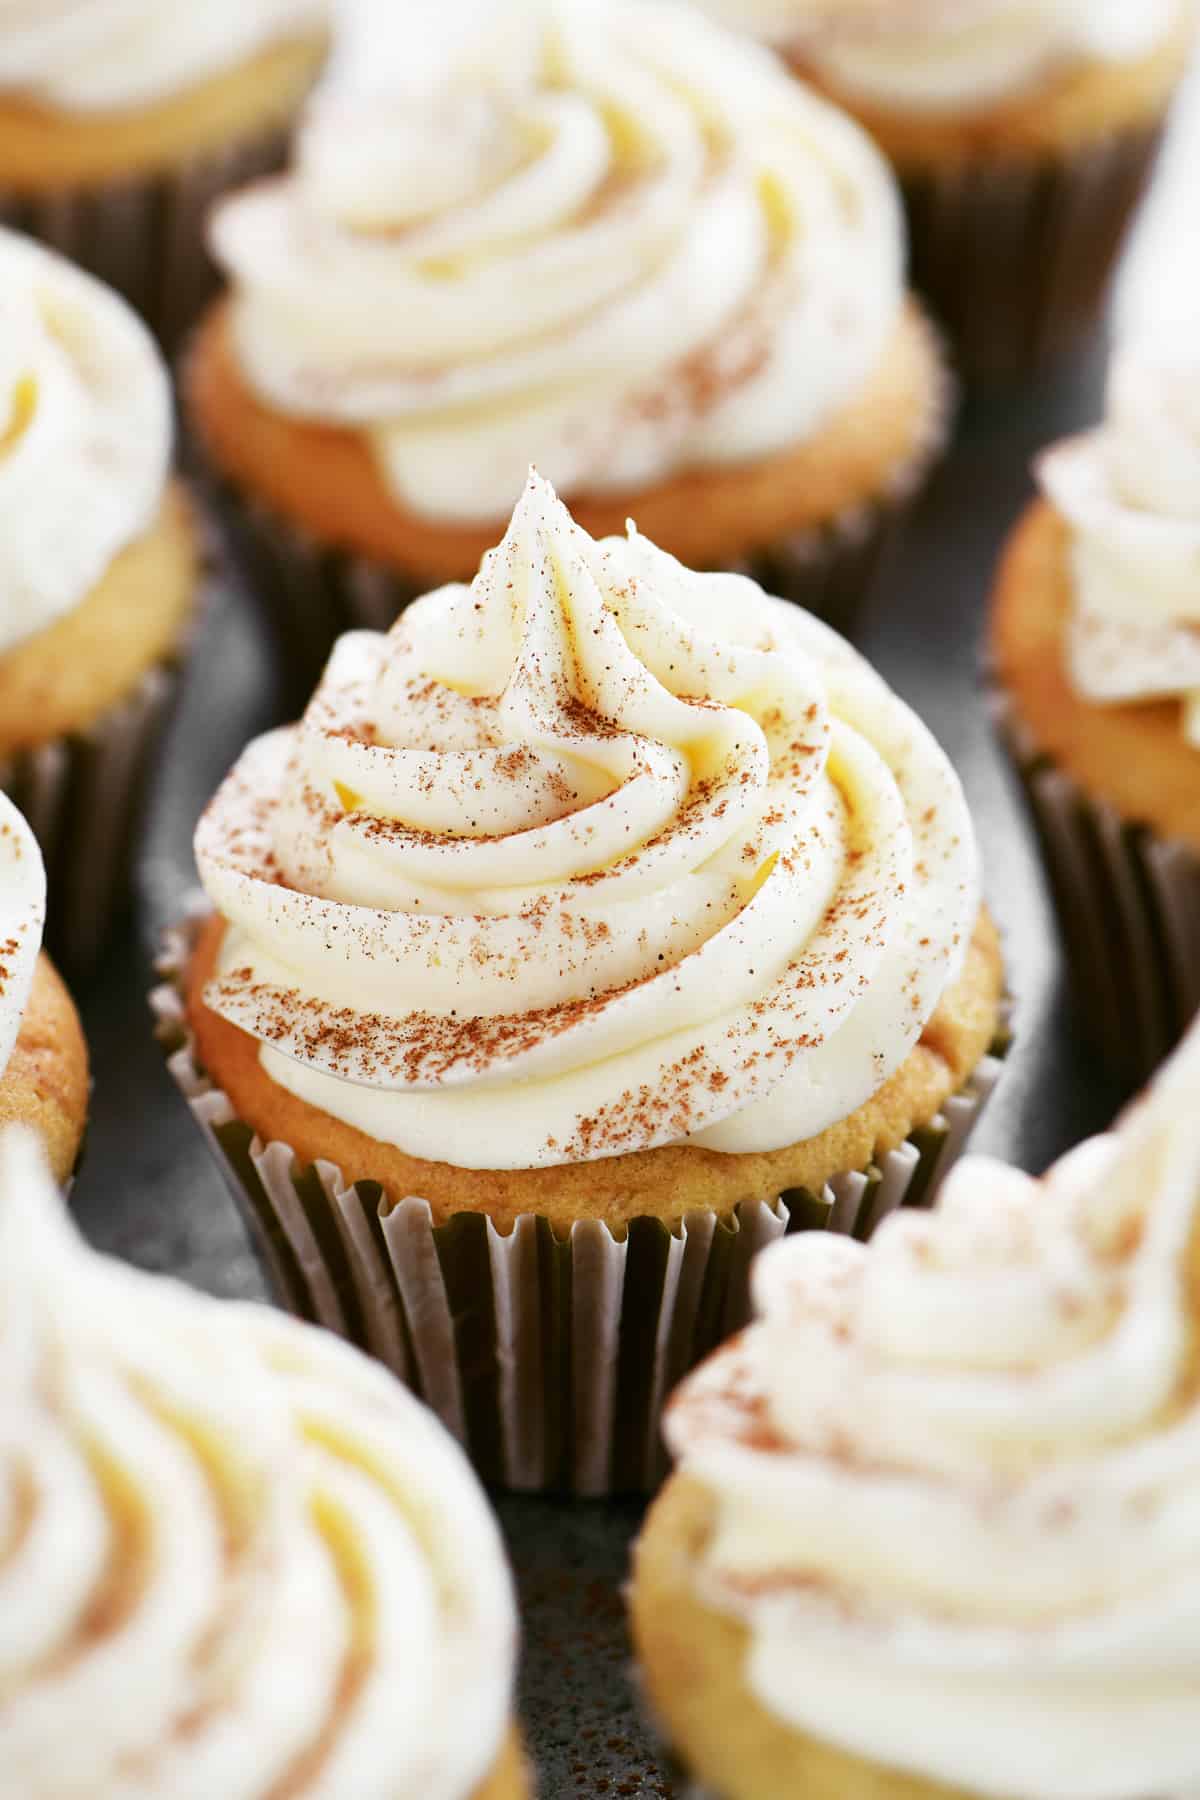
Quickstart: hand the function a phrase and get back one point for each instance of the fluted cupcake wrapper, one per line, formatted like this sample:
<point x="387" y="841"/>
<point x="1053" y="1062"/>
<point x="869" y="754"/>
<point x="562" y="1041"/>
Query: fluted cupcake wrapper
<point x="1128" y="906"/>
<point x="146" y="236"/>
<point x="82" y="795"/>
<point x="549" y="1357"/>
<point x="1014" y="256"/>
<point x="312" y="592"/>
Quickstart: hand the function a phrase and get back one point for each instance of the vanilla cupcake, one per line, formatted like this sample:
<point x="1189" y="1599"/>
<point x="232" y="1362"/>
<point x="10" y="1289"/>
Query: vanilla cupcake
<point x="599" y="924"/>
<point x="1023" y="137"/>
<point x="121" y="121"/>
<point x="1096" y="658"/>
<point x="933" y="1528"/>
<point x="43" y="1058"/>
<point x="238" y="1560"/>
<point x="613" y="241"/>
<point x="98" y="576"/>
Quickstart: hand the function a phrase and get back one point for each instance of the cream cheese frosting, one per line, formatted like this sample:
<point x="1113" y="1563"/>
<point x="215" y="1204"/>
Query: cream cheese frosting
<point x="22" y="914"/>
<point x="236" y="1558"/>
<point x="610" y="239"/>
<point x="591" y="856"/>
<point x="99" y="55"/>
<point x="929" y="55"/>
<point x="85" y="434"/>
<point x="1130" y="492"/>
<point x="955" y="1474"/>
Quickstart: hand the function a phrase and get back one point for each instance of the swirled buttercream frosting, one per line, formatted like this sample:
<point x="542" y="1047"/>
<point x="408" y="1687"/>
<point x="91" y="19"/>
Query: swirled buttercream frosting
<point x="954" y="1474"/>
<point x="98" y="55"/>
<point x="85" y="434"/>
<point x="22" y="914"/>
<point x="1130" y="492"/>
<point x="236" y="1558"/>
<point x="923" y="55"/>
<point x="608" y="238"/>
<point x="591" y="856"/>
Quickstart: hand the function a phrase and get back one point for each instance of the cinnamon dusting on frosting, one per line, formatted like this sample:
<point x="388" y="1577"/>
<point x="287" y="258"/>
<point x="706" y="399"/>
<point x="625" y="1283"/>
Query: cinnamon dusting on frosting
<point x="561" y="852"/>
<point x="639" y="249"/>
<point x="953" y="1472"/>
<point x="236" y="1557"/>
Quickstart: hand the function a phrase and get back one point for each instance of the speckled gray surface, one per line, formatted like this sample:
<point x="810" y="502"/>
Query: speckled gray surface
<point x="148" y="1192"/>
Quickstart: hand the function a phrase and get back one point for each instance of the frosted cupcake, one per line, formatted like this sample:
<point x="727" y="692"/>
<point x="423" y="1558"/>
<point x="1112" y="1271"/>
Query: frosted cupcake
<point x="599" y="924"/>
<point x="121" y="120"/>
<point x="43" y="1058"/>
<point x="613" y="241"/>
<point x="1097" y="664"/>
<point x="933" y="1528"/>
<point x="98" y="576"/>
<point x="1023" y="137"/>
<point x="238" y="1559"/>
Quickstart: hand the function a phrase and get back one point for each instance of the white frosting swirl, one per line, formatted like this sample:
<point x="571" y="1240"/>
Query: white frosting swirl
<point x="22" y="914"/>
<point x="96" y="55"/>
<point x="957" y="1474"/>
<point x="608" y="239"/>
<point x="925" y="55"/>
<point x="1130" y="491"/>
<point x="592" y="856"/>
<point x="236" y="1558"/>
<point x="85" y="434"/>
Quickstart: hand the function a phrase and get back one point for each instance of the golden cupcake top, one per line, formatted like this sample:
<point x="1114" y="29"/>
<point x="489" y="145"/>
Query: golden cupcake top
<point x="946" y="55"/>
<point x="85" y="434"/>
<point x="954" y="1473"/>
<point x="236" y="1558"/>
<point x="96" y="56"/>
<point x="590" y="856"/>
<point x="1129" y="492"/>
<point x="606" y="237"/>
<point x="22" y="915"/>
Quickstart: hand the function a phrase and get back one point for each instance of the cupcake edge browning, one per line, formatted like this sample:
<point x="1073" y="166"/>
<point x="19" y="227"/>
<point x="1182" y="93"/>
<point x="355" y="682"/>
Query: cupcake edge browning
<point x="1081" y="106"/>
<point x="323" y="478"/>
<point x="43" y="149"/>
<point x="65" y="677"/>
<point x="665" y="1183"/>
<point x="1134" y="757"/>
<point x="692" y="1661"/>
<point x="46" y="1083"/>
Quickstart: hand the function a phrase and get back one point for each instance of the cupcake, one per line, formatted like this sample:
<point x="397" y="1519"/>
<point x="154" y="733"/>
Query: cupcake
<point x="1023" y="138"/>
<point x="238" y="1560"/>
<point x="1097" y="666"/>
<point x="931" y="1532"/>
<point x="43" y="1058"/>
<point x="599" y="924"/>
<point x="98" y="576"/>
<point x="120" y="123"/>
<point x="613" y="241"/>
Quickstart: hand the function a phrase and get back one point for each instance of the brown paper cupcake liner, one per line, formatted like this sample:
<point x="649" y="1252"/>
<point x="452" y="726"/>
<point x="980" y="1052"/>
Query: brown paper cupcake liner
<point x="82" y="796"/>
<point x="1015" y="257"/>
<point x="549" y="1357"/>
<point x="146" y="237"/>
<point x="1128" y="906"/>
